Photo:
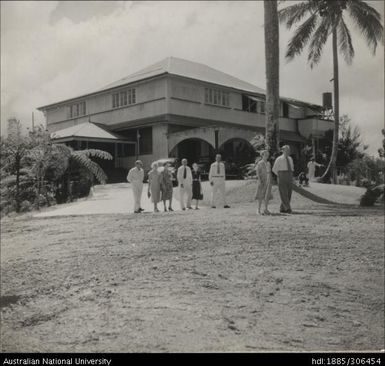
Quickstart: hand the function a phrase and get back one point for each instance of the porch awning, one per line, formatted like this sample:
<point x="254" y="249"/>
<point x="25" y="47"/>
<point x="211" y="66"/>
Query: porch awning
<point x="87" y="132"/>
<point x="255" y="99"/>
<point x="290" y="136"/>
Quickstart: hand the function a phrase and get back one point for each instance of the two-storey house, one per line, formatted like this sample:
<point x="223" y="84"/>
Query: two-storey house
<point x="178" y="108"/>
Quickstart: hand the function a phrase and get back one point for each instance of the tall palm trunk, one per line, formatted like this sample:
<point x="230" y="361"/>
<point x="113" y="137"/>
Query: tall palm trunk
<point x="332" y="163"/>
<point x="272" y="75"/>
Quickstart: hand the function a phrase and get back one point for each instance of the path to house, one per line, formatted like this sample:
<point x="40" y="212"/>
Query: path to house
<point x="106" y="199"/>
<point x="118" y="199"/>
<point x="195" y="281"/>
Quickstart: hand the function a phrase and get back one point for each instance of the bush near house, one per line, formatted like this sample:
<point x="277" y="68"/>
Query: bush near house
<point x="35" y="172"/>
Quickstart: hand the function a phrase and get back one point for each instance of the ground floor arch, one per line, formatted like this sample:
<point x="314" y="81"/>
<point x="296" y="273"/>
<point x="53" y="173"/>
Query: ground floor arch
<point x="195" y="150"/>
<point x="237" y="151"/>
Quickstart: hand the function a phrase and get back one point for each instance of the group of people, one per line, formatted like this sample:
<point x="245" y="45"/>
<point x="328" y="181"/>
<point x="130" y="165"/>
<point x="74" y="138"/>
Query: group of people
<point x="160" y="183"/>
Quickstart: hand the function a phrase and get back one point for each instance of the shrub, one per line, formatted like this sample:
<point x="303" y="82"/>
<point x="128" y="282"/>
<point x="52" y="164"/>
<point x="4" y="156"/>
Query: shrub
<point x="371" y="195"/>
<point x="26" y="206"/>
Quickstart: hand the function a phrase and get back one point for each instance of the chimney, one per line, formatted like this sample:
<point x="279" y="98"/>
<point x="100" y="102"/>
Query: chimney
<point x="327" y="100"/>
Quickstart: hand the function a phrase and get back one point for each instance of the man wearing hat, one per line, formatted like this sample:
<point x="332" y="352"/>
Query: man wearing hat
<point x="283" y="168"/>
<point x="135" y="177"/>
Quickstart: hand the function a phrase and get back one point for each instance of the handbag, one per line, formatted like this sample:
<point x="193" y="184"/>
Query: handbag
<point x="201" y="196"/>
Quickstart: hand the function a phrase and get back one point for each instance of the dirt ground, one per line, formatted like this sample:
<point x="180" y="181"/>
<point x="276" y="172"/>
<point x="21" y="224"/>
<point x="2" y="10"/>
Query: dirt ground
<point x="213" y="280"/>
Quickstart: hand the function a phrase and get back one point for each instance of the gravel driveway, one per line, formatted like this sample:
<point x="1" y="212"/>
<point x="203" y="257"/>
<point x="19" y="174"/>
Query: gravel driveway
<point x="213" y="280"/>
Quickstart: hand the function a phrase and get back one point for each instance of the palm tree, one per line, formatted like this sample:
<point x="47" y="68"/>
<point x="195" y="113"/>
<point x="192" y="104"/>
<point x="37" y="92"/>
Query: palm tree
<point x="325" y="18"/>
<point x="272" y="75"/>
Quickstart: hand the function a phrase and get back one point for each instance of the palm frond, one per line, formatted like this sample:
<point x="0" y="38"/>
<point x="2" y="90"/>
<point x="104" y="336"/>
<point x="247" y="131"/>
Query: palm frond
<point x="368" y="21"/>
<point x="345" y="42"/>
<point x="318" y="41"/>
<point x="89" y="165"/>
<point x="301" y="36"/>
<point x="294" y="13"/>
<point x="94" y="153"/>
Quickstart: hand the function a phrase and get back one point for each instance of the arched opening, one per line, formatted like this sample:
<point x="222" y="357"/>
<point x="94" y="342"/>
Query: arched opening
<point x="236" y="152"/>
<point x="195" y="150"/>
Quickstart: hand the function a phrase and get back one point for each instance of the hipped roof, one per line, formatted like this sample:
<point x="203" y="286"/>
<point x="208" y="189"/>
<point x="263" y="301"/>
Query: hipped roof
<point x="187" y="69"/>
<point x="87" y="130"/>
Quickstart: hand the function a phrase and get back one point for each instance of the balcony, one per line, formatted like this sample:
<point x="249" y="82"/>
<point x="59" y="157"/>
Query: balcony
<point x="314" y="127"/>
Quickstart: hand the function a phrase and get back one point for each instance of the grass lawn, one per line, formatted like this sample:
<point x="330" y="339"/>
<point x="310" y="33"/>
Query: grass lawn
<point x="196" y="281"/>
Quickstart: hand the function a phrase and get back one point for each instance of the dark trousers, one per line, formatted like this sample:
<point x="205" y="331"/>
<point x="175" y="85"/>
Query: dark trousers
<point x="285" y="186"/>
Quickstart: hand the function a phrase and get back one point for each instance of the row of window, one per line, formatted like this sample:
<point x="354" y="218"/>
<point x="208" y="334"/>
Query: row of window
<point x="76" y="110"/>
<point x="123" y="98"/>
<point x="217" y="97"/>
<point x="212" y="96"/>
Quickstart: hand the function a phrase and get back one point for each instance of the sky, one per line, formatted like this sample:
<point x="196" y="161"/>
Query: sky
<point x="54" y="50"/>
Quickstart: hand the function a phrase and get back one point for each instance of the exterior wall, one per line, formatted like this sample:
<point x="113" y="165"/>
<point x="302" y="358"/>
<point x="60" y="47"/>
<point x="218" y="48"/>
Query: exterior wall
<point x="194" y="91"/>
<point x="216" y="113"/>
<point x="159" y="149"/>
<point x="187" y="99"/>
<point x="204" y="133"/>
<point x="100" y="106"/>
<point x="296" y="112"/>
<point x="208" y="134"/>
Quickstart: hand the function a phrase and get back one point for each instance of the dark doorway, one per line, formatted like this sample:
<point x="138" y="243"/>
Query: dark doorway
<point x="236" y="153"/>
<point x="195" y="151"/>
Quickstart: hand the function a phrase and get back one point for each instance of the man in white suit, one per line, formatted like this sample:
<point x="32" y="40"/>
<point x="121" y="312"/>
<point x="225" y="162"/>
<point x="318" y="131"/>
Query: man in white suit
<point x="135" y="177"/>
<point x="184" y="177"/>
<point x="217" y="179"/>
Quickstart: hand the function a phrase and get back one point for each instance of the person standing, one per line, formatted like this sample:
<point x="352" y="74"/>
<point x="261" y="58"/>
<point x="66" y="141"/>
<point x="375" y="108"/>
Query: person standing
<point x="264" y="182"/>
<point x="311" y="165"/>
<point x="196" y="185"/>
<point x="154" y="186"/>
<point x="283" y="168"/>
<point x="217" y="179"/>
<point x="135" y="176"/>
<point x="166" y="187"/>
<point x="184" y="177"/>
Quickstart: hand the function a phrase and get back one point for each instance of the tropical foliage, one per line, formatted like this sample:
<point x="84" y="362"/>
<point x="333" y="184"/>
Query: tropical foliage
<point x="37" y="172"/>
<point x="322" y="19"/>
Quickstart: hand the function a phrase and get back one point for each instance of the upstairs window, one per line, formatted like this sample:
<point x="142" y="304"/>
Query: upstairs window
<point x="248" y="104"/>
<point x="123" y="98"/>
<point x="253" y="104"/>
<point x="76" y="110"/>
<point x="217" y="97"/>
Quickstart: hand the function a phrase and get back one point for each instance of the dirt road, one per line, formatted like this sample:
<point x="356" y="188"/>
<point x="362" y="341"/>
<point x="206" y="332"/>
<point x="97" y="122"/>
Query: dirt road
<point x="207" y="281"/>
